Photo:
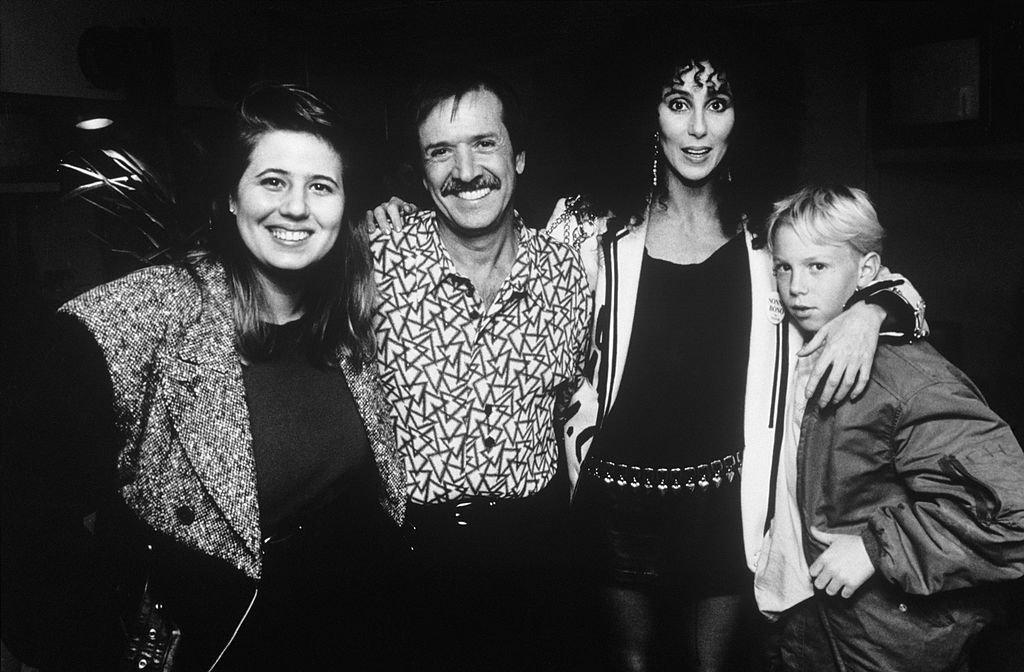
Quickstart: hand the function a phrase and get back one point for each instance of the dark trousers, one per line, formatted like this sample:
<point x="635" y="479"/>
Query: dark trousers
<point x="330" y="598"/>
<point x="488" y="583"/>
<point x="799" y="641"/>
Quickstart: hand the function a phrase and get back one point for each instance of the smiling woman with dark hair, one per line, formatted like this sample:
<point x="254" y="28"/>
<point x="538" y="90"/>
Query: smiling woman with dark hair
<point x="223" y="419"/>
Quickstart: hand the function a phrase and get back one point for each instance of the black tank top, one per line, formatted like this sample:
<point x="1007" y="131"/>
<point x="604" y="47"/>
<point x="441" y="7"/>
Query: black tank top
<point x="682" y="393"/>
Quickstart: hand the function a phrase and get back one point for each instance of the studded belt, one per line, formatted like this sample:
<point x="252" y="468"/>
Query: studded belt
<point x="698" y="478"/>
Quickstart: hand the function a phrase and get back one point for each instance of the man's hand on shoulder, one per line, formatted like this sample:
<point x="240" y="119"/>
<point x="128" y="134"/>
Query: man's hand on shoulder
<point x="389" y="216"/>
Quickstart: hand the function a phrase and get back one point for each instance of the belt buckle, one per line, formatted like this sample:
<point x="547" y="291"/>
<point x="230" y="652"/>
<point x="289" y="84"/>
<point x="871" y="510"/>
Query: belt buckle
<point x="280" y="538"/>
<point x="460" y="520"/>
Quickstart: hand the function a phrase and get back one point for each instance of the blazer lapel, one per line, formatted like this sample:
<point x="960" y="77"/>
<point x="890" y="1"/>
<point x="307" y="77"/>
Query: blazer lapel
<point x="205" y="398"/>
<point x="375" y="413"/>
<point x="764" y="396"/>
<point x="625" y="259"/>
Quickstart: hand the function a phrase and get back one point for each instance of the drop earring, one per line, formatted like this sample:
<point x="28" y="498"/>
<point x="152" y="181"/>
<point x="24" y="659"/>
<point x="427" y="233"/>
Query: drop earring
<point x="654" y="162"/>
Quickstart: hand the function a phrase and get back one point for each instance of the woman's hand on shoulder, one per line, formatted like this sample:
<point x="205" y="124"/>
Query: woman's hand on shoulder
<point x="389" y="216"/>
<point x="846" y="348"/>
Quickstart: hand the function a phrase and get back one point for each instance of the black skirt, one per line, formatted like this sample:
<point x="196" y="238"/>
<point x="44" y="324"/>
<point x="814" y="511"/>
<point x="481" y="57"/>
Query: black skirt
<point x="642" y="535"/>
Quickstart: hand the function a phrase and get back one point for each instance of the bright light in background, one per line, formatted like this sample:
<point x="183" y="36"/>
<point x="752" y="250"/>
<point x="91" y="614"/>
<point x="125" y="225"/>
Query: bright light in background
<point x="94" y="124"/>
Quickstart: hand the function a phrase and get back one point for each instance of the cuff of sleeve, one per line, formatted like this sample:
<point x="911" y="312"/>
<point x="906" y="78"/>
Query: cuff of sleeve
<point x="872" y="547"/>
<point x="901" y="318"/>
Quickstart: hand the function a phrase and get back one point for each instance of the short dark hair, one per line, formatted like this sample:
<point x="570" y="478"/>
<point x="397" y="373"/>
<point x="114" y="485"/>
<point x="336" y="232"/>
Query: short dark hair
<point x="339" y="301"/>
<point x="456" y="83"/>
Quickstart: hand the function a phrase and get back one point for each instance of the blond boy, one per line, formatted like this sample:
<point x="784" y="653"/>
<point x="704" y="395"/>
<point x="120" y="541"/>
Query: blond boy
<point x="907" y="504"/>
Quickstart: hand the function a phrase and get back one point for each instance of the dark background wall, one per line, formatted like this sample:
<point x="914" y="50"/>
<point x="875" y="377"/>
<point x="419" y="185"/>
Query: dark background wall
<point x="952" y="199"/>
<point x="951" y="195"/>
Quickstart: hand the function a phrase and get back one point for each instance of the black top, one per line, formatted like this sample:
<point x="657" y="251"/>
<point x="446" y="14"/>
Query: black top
<point x="308" y="439"/>
<point x="682" y="394"/>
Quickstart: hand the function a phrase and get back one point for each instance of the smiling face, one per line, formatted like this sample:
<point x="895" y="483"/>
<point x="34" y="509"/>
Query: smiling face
<point x="695" y="117"/>
<point x="816" y="279"/>
<point x="289" y="201"/>
<point x="469" y="166"/>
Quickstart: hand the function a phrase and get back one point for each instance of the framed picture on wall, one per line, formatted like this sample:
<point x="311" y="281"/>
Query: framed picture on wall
<point x="957" y="93"/>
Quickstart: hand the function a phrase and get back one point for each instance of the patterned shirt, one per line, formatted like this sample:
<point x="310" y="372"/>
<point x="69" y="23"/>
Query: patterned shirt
<point x="475" y="390"/>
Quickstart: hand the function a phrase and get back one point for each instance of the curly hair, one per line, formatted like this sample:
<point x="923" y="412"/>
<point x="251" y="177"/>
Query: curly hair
<point x="619" y="180"/>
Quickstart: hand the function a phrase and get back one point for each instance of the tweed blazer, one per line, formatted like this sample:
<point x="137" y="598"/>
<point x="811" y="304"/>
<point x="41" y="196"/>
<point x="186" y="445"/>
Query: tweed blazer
<point x="186" y="467"/>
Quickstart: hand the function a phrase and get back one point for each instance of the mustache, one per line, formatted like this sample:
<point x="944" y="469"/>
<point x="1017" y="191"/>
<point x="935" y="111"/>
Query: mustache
<point x="453" y="185"/>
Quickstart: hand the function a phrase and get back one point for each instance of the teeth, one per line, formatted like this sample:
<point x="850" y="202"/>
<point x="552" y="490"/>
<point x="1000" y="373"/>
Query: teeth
<point x="474" y="195"/>
<point x="289" y="236"/>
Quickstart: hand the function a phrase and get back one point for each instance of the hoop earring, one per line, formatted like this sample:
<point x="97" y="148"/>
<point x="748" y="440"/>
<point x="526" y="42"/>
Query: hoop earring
<point x="654" y="162"/>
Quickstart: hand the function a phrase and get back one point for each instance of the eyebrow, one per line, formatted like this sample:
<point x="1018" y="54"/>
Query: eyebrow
<point x="282" y="171"/>
<point x="475" y="138"/>
<point x="436" y="145"/>
<point x="712" y="91"/>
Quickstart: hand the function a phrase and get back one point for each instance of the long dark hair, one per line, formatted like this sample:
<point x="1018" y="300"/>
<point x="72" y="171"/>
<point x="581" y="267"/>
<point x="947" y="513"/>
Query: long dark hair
<point x="619" y="179"/>
<point x="339" y="300"/>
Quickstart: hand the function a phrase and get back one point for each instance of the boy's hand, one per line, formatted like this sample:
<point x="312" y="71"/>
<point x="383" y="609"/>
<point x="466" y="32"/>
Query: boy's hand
<point x="847" y="346"/>
<point x="388" y="216"/>
<point x="844" y="566"/>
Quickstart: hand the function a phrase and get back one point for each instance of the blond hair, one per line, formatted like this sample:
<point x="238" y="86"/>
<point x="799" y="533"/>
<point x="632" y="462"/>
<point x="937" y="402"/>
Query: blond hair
<point x="830" y="215"/>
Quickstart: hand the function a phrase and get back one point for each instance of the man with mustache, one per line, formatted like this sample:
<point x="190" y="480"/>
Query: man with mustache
<point x="482" y="323"/>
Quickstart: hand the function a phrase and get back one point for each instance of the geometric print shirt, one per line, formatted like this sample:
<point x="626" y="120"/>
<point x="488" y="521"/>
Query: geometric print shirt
<point x="474" y="390"/>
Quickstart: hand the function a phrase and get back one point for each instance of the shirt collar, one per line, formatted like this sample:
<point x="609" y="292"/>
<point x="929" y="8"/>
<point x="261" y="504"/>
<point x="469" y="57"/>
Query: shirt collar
<point x="441" y="266"/>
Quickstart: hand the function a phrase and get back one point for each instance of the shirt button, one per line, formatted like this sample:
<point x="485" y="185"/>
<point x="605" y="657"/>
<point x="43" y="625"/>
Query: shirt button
<point x="488" y="409"/>
<point x="474" y="315"/>
<point x="185" y="515"/>
<point x="489" y="442"/>
<point x="902" y="607"/>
